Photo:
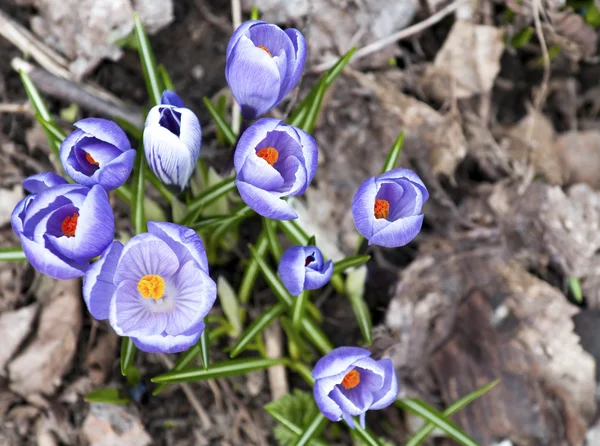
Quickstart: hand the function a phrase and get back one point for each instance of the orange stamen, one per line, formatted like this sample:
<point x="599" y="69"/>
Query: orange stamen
<point x="351" y="380"/>
<point x="91" y="160"/>
<point x="382" y="209"/>
<point x="69" y="225"/>
<point x="151" y="286"/>
<point x="265" y="49"/>
<point x="269" y="154"/>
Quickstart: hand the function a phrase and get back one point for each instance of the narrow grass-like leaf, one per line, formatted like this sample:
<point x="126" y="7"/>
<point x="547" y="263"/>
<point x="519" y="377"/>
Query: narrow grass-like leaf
<point x="294" y="232"/>
<point x="57" y="133"/>
<point x="205" y="347"/>
<point x="12" y="255"/>
<point x="222" y="220"/>
<point x="183" y="361"/>
<point x="575" y="287"/>
<point x="429" y="413"/>
<point x="428" y="428"/>
<point x="349" y="262"/>
<point x="304" y="372"/>
<point x="221" y="109"/>
<point x="151" y="76"/>
<point x="165" y="78"/>
<point x="365" y="435"/>
<point x="298" y="308"/>
<point x="355" y="288"/>
<point x="393" y="154"/>
<point x="230" y="306"/>
<point x="128" y="350"/>
<point x="312" y="114"/>
<point x="206" y="197"/>
<point x="251" y="271"/>
<point x="158" y="185"/>
<point x="137" y="205"/>
<point x="290" y="426"/>
<point x="221" y="369"/>
<point x="270" y="227"/>
<point x="315" y="426"/>
<point x="256" y="327"/>
<point x="112" y="396"/>
<point x="220" y="122"/>
<point x="227" y="226"/>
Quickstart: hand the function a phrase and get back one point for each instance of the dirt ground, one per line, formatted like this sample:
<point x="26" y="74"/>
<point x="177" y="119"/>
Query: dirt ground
<point x="508" y="143"/>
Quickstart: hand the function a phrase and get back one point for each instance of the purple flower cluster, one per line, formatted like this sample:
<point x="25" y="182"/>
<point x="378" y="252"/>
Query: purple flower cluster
<point x="303" y="268"/>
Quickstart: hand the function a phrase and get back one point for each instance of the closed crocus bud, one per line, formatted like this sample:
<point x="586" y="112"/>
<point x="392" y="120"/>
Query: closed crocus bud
<point x="98" y="152"/>
<point x="172" y="141"/>
<point x="348" y="382"/>
<point x="302" y="268"/>
<point x="63" y="226"/>
<point x="155" y="289"/>
<point x="263" y="64"/>
<point x="273" y="161"/>
<point x="387" y="208"/>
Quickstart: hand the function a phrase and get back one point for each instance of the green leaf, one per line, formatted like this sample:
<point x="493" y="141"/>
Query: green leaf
<point x="184" y="360"/>
<point x="298" y="308"/>
<point x="229" y="305"/>
<point x="221" y="369"/>
<point x="151" y="76"/>
<point x="256" y="327"/>
<point x="294" y="232"/>
<point x="432" y="415"/>
<point x="365" y="435"/>
<point x="221" y="123"/>
<point x="270" y="227"/>
<point x="12" y="255"/>
<point x="128" y="350"/>
<point x="523" y="37"/>
<point x="355" y="289"/>
<point x="206" y="197"/>
<point x="254" y="14"/>
<point x="111" y="396"/>
<point x="294" y="412"/>
<point x="393" y="154"/>
<point x="57" y="133"/>
<point x="427" y="429"/>
<point x="592" y="15"/>
<point x="251" y="271"/>
<point x="159" y="186"/>
<point x="205" y="347"/>
<point x="350" y="262"/>
<point x="137" y="205"/>
<point x="575" y="287"/>
<point x="315" y="426"/>
<point x="165" y="78"/>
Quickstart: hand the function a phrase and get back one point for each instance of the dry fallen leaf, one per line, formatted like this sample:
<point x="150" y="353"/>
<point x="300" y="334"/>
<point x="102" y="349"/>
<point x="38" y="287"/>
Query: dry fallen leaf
<point x="111" y="425"/>
<point x="101" y="358"/>
<point x="580" y="155"/>
<point x="14" y="327"/>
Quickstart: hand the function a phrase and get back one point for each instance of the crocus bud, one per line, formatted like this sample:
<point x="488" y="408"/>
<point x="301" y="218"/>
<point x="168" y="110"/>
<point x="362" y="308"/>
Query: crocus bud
<point x="263" y="64"/>
<point x="348" y="382"/>
<point x="172" y="140"/>
<point x="98" y="152"/>
<point x="272" y="161"/>
<point x="387" y="208"/>
<point x="303" y="268"/>
<point x="62" y="226"/>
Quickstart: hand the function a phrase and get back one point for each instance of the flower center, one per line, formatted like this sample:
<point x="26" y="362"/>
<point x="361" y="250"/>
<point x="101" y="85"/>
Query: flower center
<point x="269" y="154"/>
<point x="265" y="49"/>
<point x="91" y="160"/>
<point x="382" y="209"/>
<point x="151" y="286"/>
<point x="351" y="380"/>
<point x="308" y="260"/>
<point x="69" y="225"/>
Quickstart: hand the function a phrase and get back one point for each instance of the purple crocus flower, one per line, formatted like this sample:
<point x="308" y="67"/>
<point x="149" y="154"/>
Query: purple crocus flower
<point x="172" y="140"/>
<point x="348" y="382"/>
<point x="303" y="268"/>
<point x="98" y="152"/>
<point x="155" y="289"/>
<point x="387" y="208"/>
<point x="62" y="226"/>
<point x="272" y="161"/>
<point x="263" y="64"/>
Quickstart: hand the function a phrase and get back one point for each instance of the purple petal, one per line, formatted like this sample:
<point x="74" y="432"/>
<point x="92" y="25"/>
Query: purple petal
<point x="293" y="75"/>
<point x="321" y="391"/>
<point x="183" y="241"/>
<point x="239" y="32"/>
<point x="294" y="172"/>
<point x="132" y="315"/>
<point x="48" y="263"/>
<point x="18" y="214"/>
<point x="116" y="172"/>
<point x="146" y="254"/>
<point x="194" y="297"/>
<point x="98" y="286"/>
<point x="362" y="208"/>
<point x="397" y="174"/>
<point x="352" y="401"/>
<point x="349" y="420"/>
<point x="311" y="155"/>
<point x="191" y="133"/>
<point x="317" y="279"/>
<point x="250" y="139"/>
<point x="338" y="361"/>
<point x="408" y="204"/>
<point x="371" y="373"/>
<point x="171" y="98"/>
<point x="389" y="390"/>
<point x="398" y="233"/>
<point x="67" y="157"/>
<point x="259" y="173"/>
<point x="314" y="252"/>
<point x="265" y="203"/>
<point x="105" y="130"/>
<point x="42" y="181"/>
<point x="101" y="151"/>
<point x="169" y="344"/>
<point x="361" y="418"/>
<point x="291" y="269"/>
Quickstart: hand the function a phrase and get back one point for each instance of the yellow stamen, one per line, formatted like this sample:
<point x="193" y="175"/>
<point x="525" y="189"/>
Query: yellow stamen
<point x="151" y="286"/>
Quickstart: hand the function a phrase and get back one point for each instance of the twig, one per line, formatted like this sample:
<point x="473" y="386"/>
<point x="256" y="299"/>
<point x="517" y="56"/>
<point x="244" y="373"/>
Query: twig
<point x="276" y="375"/>
<point x="189" y="393"/>
<point x="236" y="21"/>
<point x="16" y="108"/>
<point x="402" y="34"/>
<point x="485" y="100"/>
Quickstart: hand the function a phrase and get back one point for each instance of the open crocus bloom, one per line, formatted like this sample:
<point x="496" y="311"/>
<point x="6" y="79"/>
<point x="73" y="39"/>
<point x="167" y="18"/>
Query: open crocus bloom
<point x="348" y="382"/>
<point x="387" y="208"/>
<point x="172" y="141"/>
<point x="263" y="64"/>
<point x="272" y="161"/>
<point x="303" y="268"/>
<point x="98" y="152"/>
<point x="62" y="226"/>
<point x="155" y="289"/>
